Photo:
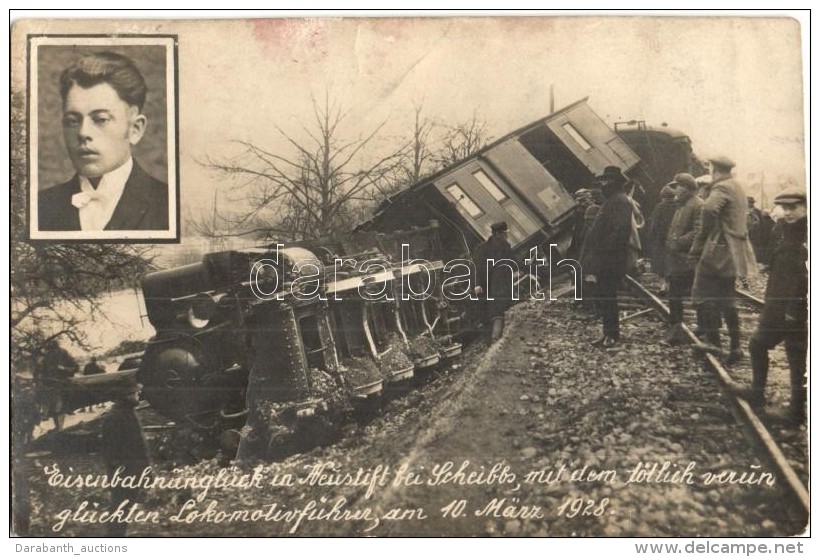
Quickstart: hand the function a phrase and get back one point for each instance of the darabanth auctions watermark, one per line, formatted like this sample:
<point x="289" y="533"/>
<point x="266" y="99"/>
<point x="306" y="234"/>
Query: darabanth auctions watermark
<point x="458" y="278"/>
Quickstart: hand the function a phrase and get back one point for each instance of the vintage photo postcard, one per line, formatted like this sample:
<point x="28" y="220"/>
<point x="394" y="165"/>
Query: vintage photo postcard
<point x="531" y="276"/>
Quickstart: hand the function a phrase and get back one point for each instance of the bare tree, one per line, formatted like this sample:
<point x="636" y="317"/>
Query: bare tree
<point x="419" y="156"/>
<point x="461" y="141"/>
<point x="415" y="163"/>
<point x="309" y="192"/>
<point x="55" y="287"/>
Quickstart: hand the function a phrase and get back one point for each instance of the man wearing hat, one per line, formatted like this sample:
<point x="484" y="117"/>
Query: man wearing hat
<point x="724" y="252"/>
<point x="607" y="251"/>
<point x="684" y="228"/>
<point x="494" y="277"/>
<point x="785" y="314"/>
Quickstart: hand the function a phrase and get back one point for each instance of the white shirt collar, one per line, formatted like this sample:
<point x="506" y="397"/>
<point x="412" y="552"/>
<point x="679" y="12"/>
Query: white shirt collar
<point x="96" y="212"/>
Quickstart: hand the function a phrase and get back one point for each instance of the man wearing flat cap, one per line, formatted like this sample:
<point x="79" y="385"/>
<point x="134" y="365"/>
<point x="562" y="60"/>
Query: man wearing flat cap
<point x="494" y="261"/>
<point x="681" y="266"/>
<point x="725" y="253"/>
<point x="606" y="253"/>
<point x="785" y="314"/>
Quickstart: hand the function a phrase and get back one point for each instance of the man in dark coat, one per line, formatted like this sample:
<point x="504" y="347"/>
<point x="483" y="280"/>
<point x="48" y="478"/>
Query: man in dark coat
<point x="682" y="231"/>
<point x="494" y="263"/>
<point x="785" y="314"/>
<point x="724" y="252"/>
<point x="607" y="251"/>
<point x="103" y="95"/>
<point x="123" y="446"/>
<point x="658" y="227"/>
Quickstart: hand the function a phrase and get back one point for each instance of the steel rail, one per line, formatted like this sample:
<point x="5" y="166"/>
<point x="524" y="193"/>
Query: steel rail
<point x="747" y="415"/>
<point x="750" y="298"/>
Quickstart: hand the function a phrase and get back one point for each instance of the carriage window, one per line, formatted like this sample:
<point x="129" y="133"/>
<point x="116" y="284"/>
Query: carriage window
<point x="464" y="200"/>
<point x="576" y="135"/>
<point x="489" y="185"/>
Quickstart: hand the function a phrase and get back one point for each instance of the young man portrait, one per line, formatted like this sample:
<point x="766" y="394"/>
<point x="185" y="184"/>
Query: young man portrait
<point x="102" y="96"/>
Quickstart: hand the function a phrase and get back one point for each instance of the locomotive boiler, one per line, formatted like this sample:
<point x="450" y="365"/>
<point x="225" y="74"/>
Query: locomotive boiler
<point x="256" y="345"/>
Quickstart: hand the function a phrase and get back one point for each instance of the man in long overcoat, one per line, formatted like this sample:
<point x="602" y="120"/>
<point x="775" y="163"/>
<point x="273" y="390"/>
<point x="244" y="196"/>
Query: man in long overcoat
<point x="724" y="252"/>
<point x="607" y="251"/>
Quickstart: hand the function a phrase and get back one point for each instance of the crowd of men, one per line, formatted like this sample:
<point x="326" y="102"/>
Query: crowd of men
<point x="703" y="239"/>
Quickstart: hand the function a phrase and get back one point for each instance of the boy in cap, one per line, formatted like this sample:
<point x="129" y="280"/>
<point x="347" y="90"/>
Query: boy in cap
<point x="785" y="314"/>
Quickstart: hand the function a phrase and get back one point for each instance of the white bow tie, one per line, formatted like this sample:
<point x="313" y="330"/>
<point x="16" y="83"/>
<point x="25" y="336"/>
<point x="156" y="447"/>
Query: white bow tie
<point x="80" y="200"/>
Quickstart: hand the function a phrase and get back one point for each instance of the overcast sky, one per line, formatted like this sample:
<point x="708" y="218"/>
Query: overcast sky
<point x="732" y="84"/>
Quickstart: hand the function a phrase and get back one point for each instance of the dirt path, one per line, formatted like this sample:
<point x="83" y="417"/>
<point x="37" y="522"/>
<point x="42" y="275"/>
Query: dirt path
<point x="466" y="437"/>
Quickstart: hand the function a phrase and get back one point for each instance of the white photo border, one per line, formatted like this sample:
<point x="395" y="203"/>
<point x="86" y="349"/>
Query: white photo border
<point x="170" y="43"/>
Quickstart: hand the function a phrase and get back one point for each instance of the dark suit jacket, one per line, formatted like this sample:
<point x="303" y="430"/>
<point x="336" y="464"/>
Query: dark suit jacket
<point x="142" y="206"/>
<point x="607" y="248"/>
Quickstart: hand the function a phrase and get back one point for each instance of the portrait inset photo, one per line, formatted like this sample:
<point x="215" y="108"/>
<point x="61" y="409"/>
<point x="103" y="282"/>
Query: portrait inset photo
<point x="102" y="139"/>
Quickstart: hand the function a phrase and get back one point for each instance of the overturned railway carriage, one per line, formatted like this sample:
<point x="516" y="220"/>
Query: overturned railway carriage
<point x="526" y="178"/>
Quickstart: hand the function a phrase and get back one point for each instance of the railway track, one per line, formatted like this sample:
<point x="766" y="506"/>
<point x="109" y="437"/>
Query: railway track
<point x="784" y="449"/>
<point x="749" y="298"/>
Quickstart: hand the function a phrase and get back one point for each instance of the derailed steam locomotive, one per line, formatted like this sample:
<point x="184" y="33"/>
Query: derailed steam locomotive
<point x="257" y="345"/>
